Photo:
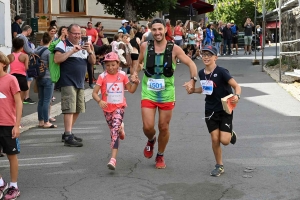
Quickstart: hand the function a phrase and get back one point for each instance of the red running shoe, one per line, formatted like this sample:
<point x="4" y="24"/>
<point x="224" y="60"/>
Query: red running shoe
<point x="148" y="151"/>
<point x="160" y="162"/>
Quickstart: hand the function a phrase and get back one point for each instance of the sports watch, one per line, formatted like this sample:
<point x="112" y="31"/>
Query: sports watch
<point x="239" y="96"/>
<point x="194" y="78"/>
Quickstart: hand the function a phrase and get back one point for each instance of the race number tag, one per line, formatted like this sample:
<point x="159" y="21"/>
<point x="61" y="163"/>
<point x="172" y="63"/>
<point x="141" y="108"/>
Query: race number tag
<point x="207" y="86"/>
<point x="115" y="93"/>
<point x="156" y="84"/>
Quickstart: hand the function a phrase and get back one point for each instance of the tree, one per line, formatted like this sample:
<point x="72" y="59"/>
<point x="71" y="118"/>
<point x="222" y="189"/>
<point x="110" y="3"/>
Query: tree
<point x="136" y="9"/>
<point x="237" y="10"/>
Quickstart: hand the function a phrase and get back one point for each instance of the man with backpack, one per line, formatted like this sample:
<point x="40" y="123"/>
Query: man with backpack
<point x="235" y="33"/>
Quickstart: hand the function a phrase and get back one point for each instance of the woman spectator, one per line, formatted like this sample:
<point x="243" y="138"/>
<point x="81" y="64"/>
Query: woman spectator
<point x="135" y="43"/>
<point x="99" y="29"/>
<point x="45" y="86"/>
<point x="124" y="53"/>
<point x="62" y="33"/>
<point x="52" y="32"/>
<point x="218" y="39"/>
<point x="209" y="34"/>
<point x="90" y="69"/>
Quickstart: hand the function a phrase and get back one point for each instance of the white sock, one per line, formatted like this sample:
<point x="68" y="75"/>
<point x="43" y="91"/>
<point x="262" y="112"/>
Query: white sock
<point x="1" y="181"/>
<point x="13" y="184"/>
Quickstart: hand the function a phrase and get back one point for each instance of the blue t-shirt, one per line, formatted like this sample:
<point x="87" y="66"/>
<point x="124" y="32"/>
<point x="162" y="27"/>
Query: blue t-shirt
<point x="220" y="78"/>
<point x="73" y="69"/>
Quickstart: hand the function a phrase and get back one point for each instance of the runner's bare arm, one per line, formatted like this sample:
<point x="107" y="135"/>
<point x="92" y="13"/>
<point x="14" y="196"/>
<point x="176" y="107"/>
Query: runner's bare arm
<point x="137" y="67"/>
<point x="131" y="87"/>
<point x="179" y="53"/>
<point x="237" y="89"/>
<point x="19" y="108"/>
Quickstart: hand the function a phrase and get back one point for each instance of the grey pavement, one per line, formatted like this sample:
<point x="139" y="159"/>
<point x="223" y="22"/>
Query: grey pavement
<point x="263" y="164"/>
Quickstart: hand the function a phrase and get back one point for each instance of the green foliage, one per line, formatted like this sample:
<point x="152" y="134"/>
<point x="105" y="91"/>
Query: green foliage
<point x="237" y="10"/>
<point x="143" y="8"/>
<point x="273" y="62"/>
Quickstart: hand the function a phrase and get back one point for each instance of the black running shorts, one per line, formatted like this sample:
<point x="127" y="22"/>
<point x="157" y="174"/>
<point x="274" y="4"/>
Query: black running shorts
<point x="22" y="81"/>
<point x="235" y="39"/>
<point x="10" y="146"/>
<point x="218" y="120"/>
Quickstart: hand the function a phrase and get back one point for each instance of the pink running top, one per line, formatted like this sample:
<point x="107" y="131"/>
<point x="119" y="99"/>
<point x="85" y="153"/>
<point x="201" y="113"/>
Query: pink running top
<point x="17" y="67"/>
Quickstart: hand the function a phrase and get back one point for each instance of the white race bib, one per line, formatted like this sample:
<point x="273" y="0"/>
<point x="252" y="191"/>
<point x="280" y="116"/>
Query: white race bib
<point x="156" y="84"/>
<point x="115" y="93"/>
<point x="207" y="86"/>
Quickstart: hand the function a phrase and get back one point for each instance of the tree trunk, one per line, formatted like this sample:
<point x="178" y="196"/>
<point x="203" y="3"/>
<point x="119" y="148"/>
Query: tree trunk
<point x="130" y="12"/>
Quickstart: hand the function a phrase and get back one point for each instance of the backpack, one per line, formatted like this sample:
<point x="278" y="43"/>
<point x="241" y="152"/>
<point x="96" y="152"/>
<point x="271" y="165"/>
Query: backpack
<point x="233" y="29"/>
<point x="54" y="68"/>
<point x="36" y="67"/>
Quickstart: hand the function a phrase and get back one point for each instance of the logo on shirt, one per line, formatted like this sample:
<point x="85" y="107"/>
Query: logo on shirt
<point x="2" y="96"/>
<point x="215" y="75"/>
<point x="14" y="149"/>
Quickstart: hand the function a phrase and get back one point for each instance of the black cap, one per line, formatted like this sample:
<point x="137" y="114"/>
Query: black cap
<point x="158" y="20"/>
<point x="17" y="17"/>
<point x="211" y="49"/>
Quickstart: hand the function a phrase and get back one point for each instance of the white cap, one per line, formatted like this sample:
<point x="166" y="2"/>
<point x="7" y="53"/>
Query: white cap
<point x="120" y="31"/>
<point x="124" y="21"/>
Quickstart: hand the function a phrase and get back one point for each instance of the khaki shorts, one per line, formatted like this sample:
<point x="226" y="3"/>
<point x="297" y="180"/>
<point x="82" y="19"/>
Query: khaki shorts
<point x="72" y="100"/>
<point x="248" y="40"/>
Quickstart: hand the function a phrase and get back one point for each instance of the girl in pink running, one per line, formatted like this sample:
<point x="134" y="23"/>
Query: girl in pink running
<point x="112" y="83"/>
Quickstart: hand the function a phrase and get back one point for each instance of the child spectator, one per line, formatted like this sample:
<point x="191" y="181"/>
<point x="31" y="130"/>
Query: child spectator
<point x="112" y="83"/>
<point x="10" y="117"/>
<point x="19" y="65"/>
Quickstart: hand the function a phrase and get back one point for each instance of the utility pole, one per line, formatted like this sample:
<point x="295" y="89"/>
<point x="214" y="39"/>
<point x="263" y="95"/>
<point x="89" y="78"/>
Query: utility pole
<point x="255" y="61"/>
<point x="263" y="34"/>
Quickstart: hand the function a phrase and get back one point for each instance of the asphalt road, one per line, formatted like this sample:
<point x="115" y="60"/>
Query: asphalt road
<point x="263" y="164"/>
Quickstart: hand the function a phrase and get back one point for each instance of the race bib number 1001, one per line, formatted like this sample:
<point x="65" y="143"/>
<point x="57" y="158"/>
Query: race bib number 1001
<point x="156" y="84"/>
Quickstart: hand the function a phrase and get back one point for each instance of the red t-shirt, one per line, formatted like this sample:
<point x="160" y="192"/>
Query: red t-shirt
<point x="8" y="88"/>
<point x="112" y="89"/>
<point x="92" y="32"/>
<point x="169" y="33"/>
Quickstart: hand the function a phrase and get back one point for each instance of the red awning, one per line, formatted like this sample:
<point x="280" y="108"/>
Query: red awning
<point x="200" y="6"/>
<point x="272" y="25"/>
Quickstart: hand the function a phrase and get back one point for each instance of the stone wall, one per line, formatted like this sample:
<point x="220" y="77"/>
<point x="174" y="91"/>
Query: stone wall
<point x="290" y="30"/>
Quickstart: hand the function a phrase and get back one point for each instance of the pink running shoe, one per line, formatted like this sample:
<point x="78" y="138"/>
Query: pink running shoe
<point x="3" y="189"/>
<point x="122" y="132"/>
<point x="12" y="193"/>
<point x="160" y="162"/>
<point x="112" y="164"/>
<point x="148" y="151"/>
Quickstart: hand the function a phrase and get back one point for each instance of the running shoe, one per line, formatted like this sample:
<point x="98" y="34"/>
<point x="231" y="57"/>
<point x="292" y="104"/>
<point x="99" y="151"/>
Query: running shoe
<point x="148" y="151"/>
<point x="233" y="137"/>
<point x="12" y="193"/>
<point x="76" y="138"/>
<point x="122" y="132"/>
<point x="250" y="53"/>
<point x="3" y="189"/>
<point x="29" y="101"/>
<point x="231" y="54"/>
<point x="112" y="164"/>
<point x="71" y="142"/>
<point x="219" y="169"/>
<point x="160" y="162"/>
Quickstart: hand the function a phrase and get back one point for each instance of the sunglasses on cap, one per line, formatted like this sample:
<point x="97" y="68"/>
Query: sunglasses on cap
<point x="158" y="20"/>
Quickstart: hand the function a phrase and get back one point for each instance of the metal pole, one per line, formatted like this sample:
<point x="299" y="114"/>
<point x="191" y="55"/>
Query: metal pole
<point x="263" y="36"/>
<point x="276" y="32"/>
<point x="280" y="45"/>
<point x="255" y="32"/>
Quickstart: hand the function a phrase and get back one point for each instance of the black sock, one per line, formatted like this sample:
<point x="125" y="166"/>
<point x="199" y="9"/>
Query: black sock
<point x="160" y="154"/>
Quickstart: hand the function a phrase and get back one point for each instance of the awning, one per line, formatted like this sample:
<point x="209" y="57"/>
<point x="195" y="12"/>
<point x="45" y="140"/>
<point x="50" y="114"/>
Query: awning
<point x="272" y="25"/>
<point x="200" y="6"/>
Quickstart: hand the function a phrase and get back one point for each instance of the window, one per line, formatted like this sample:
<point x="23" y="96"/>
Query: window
<point x="43" y="6"/>
<point x="77" y="6"/>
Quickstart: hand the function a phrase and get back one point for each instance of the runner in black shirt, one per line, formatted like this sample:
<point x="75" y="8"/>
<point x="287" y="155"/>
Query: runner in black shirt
<point x="216" y="83"/>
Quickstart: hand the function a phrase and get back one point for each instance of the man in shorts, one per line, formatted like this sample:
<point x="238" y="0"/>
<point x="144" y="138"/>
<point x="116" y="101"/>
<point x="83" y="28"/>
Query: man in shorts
<point x="216" y="83"/>
<point x="10" y="117"/>
<point x="73" y="60"/>
<point x="158" y="90"/>
<point x="248" y="25"/>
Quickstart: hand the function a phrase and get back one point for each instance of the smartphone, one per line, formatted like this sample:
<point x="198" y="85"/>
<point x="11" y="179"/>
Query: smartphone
<point x="84" y="39"/>
<point x="89" y="39"/>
